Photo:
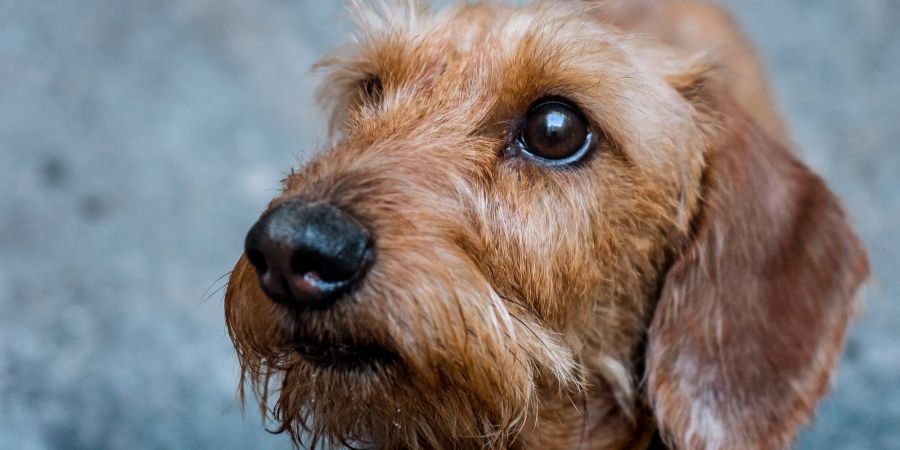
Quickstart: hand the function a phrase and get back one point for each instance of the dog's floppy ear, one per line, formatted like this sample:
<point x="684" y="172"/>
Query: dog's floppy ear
<point x="752" y="314"/>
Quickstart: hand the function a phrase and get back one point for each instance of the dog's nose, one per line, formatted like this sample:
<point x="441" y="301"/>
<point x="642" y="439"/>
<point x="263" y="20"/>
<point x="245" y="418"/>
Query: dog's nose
<point x="307" y="255"/>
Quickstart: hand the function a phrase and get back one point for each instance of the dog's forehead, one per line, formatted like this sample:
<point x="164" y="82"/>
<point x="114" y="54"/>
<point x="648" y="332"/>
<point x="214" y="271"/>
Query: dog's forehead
<point x="483" y="57"/>
<point x="469" y="68"/>
<point x="477" y="39"/>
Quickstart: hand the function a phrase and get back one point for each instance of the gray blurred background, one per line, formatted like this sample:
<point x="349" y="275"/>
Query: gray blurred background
<point x="140" y="139"/>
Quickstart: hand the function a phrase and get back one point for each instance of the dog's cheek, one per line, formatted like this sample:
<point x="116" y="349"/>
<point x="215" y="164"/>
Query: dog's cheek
<point x="446" y="319"/>
<point x="628" y="220"/>
<point x="569" y="241"/>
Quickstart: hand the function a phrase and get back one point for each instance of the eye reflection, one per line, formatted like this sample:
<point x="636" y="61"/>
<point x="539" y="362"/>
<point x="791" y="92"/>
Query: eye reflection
<point x="554" y="131"/>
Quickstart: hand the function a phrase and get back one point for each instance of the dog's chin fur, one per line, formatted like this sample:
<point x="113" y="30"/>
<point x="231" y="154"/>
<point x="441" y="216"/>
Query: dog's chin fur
<point x="510" y="304"/>
<point x="444" y="382"/>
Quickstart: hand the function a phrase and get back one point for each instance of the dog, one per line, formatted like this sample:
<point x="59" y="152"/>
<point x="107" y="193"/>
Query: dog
<point x="569" y="224"/>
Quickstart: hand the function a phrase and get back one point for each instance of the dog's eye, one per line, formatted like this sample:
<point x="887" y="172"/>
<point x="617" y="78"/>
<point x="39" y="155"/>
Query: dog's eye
<point x="555" y="133"/>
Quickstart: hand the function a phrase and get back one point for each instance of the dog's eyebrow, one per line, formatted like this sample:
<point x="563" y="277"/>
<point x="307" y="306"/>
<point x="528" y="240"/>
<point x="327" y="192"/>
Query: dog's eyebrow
<point x="526" y="58"/>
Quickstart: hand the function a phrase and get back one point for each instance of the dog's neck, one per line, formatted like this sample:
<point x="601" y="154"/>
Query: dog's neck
<point x="588" y="420"/>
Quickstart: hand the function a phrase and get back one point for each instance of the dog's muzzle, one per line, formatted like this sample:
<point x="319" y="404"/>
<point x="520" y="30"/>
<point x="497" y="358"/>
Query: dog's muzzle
<point x="308" y="255"/>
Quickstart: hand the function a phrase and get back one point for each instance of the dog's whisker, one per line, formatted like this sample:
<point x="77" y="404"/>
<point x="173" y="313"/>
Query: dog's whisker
<point x="207" y="295"/>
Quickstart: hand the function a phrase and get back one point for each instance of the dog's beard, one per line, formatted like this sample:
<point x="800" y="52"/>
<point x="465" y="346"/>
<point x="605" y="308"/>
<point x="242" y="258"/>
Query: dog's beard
<point x="459" y="362"/>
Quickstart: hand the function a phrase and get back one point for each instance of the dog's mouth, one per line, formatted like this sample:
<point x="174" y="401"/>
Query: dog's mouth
<point x="344" y="354"/>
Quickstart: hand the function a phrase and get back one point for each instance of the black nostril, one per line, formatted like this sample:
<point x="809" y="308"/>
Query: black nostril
<point x="329" y="268"/>
<point x="257" y="259"/>
<point x="307" y="255"/>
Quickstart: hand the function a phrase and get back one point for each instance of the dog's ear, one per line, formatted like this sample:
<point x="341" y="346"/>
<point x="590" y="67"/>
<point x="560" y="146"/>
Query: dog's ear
<point x="753" y="312"/>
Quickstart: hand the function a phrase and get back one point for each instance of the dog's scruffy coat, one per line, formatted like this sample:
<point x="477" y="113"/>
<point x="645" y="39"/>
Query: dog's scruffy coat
<point x="682" y="280"/>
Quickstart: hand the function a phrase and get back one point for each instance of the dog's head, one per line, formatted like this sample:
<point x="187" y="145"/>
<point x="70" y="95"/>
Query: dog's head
<point x="529" y="218"/>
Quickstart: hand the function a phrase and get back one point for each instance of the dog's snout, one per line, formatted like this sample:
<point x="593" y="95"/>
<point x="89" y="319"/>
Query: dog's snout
<point x="308" y="255"/>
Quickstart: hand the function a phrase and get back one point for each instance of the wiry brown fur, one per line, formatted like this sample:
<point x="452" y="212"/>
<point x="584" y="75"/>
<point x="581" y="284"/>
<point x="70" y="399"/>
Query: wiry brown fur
<point x="524" y="301"/>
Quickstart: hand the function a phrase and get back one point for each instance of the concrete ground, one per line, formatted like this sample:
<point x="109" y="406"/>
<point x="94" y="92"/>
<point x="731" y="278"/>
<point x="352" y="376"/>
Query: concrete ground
<point x="139" y="140"/>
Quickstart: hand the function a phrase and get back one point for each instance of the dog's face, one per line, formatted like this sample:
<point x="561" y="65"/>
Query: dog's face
<point x="486" y="240"/>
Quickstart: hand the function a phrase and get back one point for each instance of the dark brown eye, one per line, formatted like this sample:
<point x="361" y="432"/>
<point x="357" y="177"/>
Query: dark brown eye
<point x="555" y="132"/>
